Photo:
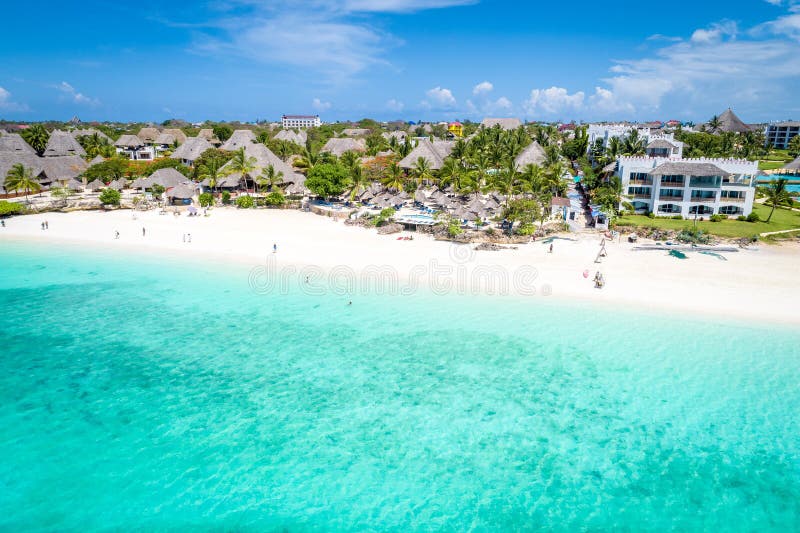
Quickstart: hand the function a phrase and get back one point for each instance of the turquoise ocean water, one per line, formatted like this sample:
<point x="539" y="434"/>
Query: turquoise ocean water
<point x="151" y="395"/>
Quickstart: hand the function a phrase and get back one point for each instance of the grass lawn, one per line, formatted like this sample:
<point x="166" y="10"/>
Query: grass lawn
<point x="782" y="219"/>
<point x="771" y="165"/>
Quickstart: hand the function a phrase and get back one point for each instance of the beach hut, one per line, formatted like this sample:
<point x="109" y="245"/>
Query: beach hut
<point x="95" y="185"/>
<point x="167" y="177"/>
<point x="141" y="183"/>
<point x="61" y="144"/>
<point x="339" y="147"/>
<point x="533" y="154"/>
<point x="119" y="184"/>
<point x="75" y="185"/>
<point x="188" y="152"/>
<point x="181" y="194"/>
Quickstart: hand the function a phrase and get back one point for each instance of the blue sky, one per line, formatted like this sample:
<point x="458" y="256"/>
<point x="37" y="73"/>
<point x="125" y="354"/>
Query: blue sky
<point x="411" y="59"/>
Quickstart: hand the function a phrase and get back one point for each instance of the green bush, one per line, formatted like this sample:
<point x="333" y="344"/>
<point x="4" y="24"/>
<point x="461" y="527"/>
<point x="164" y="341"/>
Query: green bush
<point x="110" y="197"/>
<point x="717" y="218"/>
<point x="741" y="218"/>
<point x="753" y="217"/>
<point x="677" y="217"/>
<point x="384" y="216"/>
<point x="206" y="199"/>
<point x="275" y="199"/>
<point x="10" y="208"/>
<point x="526" y="229"/>
<point x="651" y="215"/>
<point x="226" y="198"/>
<point x="454" y="229"/>
<point x="245" y="202"/>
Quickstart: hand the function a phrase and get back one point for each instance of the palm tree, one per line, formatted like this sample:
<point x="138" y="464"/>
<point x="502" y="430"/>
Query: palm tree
<point x="777" y="195"/>
<point x="714" y="124"/>
<point x="614" y="148"/>
<point x="93" y="144"/>
<point x="20" y="178"/>
<point x="210" y="170"/>
<point x="633" y="144"/>
<point x="422" y="171"/>
<point x="533" y="176"/>
<point x="283" y="149"/>
<point x="37" y="137"/>
<point x="452" y="173"/>
<point x="308" y="159"/>
<point x="394" y="177"/>
<point x="242" y="164"/>
<point x="269" y="178"/>
<point x="358" y="181"/>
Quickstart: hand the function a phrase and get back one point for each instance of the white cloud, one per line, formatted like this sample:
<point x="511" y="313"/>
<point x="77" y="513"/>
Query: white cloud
<point x="75" y="96"/>
<point x="440" y="98"/>
<point x="319" y="105"/>
<point x="482" y="88"/>
<point x="7" y="104"/>
<point x="715" y="32"/>
<point x="395" y="105"/>
<point x="552" y="101"/>
<point x="336" y="39"/>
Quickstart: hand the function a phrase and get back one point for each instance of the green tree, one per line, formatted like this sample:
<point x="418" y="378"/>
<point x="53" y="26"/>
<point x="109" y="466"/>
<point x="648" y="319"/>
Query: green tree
<point x="94" y="144"/>
<point x="242" y="164"/>
<point x="110" y="197"/>
<point x="37" y="136"/>
<point x="107" y="171"/>
<point x="223" y="156"/>
<point x="275" y="199"/>
<point x="794" y="146"/>
<point x="206" y="199"/>
<point x="358" y="182"/>
<point x="166" y="162"/>
<point x="245" y="202"/>
<point x="394" y="179"/>
<point x="777" y="195"/>
<point x="222" y="132"/>
<point x="525" y="211"/>
<point x="328" y="179"/>
<point x="421" y="171"/>
<point x="269" y="178"/>
<point x="210" y="169"/>
<point x="20" y="178"/>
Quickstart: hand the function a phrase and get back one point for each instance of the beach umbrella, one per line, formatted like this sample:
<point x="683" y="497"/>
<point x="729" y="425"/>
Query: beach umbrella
<point x="475" y="204"/>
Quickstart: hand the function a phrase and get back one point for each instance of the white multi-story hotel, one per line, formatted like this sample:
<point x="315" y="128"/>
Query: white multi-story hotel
<point x="656" y="144"/>
<point x="300" y="121"/>
<point x="688" y="187"/>
<point x="779" y="134"/>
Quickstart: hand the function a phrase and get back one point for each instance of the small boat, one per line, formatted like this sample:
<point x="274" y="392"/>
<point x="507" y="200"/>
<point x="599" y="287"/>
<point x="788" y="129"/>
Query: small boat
<point x="678" y="254"/>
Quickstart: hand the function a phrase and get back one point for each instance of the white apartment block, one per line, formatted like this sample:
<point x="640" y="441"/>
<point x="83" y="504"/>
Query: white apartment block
<point x="300" y="121"/>
<point x="656" y="144"/>
<point x="779" y="134"/>
<point x="688" y="187"/>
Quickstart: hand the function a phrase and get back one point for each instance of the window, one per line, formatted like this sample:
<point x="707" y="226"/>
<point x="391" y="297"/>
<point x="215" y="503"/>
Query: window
<point x="730" y="210"/>
<point x="669" y="208"/>
<point x="672" y="180"/>
<point x="700" y="210"/>
<point x="639" y="191"/>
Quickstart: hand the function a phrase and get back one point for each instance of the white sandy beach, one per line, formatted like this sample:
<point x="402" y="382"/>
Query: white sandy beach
<point x="759" y="284"/>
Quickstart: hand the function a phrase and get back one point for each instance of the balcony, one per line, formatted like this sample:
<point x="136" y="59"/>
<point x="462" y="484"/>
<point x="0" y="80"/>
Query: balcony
<point x="739" y="200"/>
<point x="635" y="181"/>
<point x="640" y="196"/>
<point x="703" y="200"/>
<point x="670" y="198"/>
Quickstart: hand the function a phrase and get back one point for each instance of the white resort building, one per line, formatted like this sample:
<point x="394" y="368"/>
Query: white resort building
<point x="300" y="121"/>
<point x="132" y="147"/>
<point x="689" y="187"/>
<point x="779" y="134"/>
<point x="657" y="144"/>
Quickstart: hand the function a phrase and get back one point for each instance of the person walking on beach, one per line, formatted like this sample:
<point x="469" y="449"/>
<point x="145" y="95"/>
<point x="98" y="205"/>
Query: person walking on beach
<point x="2" y="223"/>
<point x="116" y="235"/>
<point x="46" y="225"/>
<point x="42" y="226"/>
<point x="274" y="248"/>
<point x="551" y="248"/>
<point x="143" y="232"/>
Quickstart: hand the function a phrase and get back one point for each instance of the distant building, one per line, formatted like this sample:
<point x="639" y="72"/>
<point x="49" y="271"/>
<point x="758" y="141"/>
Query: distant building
<point x="779" y="134"/>
<point x="300" y="121"/>
<point x="656" y="144"/>
<point x="689" y="187"/>
<point x="505" y="123"/>
<point x="456" y="129"/>
<point x="132" y="147"/>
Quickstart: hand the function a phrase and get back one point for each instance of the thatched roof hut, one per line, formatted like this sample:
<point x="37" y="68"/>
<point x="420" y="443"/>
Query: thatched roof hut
<point x="95" y="185"/>
<point x="340" y="146"/>
<point x="433" y="152"/>
<point x="62" y="143"/>
<point x="77" y="134"/>
<point x="505" y="123"/>
<point x="176" y="133"/>
<point x="14" y="143"/>
<point x="296" y="137"/>
<point x="167" y="177"/>
<point x="148" y="135"/>
<point x="239" y="139"/>
<point x="533" y="154"/>
<point x="74" y="185"/>
<point x="191" y="150"/>
<point x="129" y="141"/>
<point x="184" y="191"/>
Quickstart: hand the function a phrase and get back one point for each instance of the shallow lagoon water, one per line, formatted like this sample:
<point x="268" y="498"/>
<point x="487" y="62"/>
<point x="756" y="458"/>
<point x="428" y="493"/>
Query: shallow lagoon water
<point x="140" y="393"/>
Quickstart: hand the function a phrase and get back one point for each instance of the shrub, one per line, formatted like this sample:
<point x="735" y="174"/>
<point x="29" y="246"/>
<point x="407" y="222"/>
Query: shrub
<point x="753" y="217"/>
<point x="110" y="197"/>
<point x="741" y="218"/>
<point x="10" y="208"/>
<point x="245" y="202"/>
<point x="717" y="218"/>
<point x="651" y="215"/>
<point x="275" y="199"/>
<point x="526" y="229"/>
<point x="206" y="199"/>
<point x="454" y="229"/>
<point x="384" y="216"/>
<point x="677" y="217"/>
<point x="226" y="197"/>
